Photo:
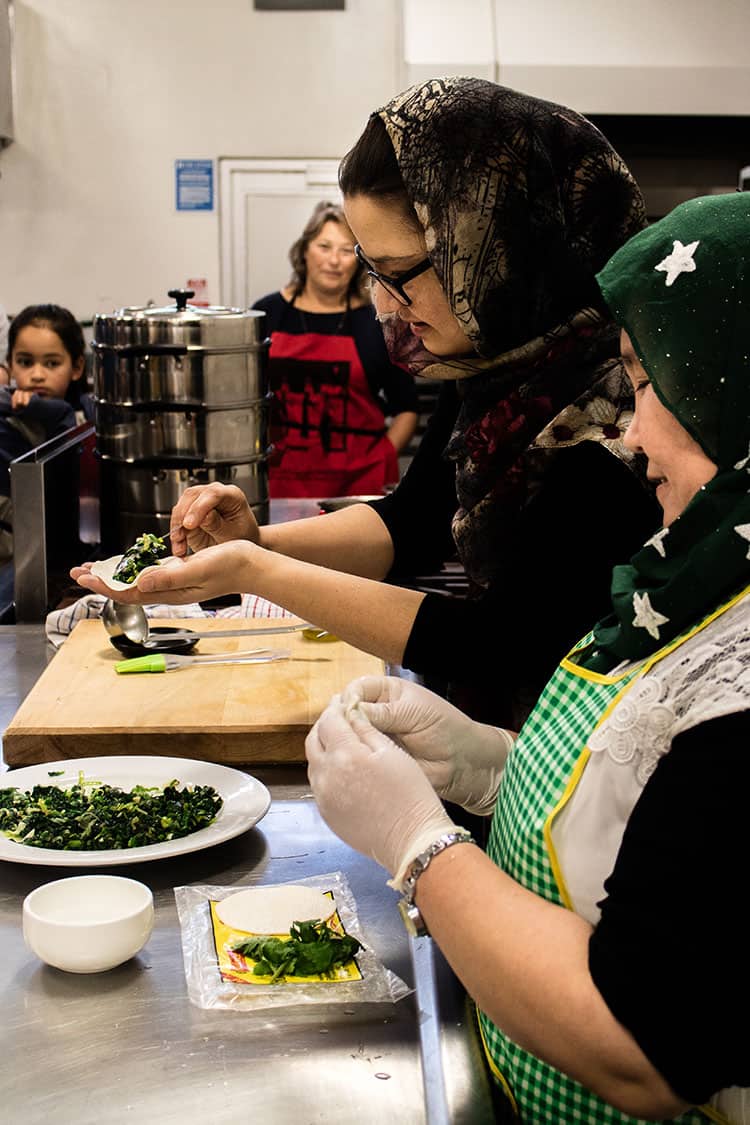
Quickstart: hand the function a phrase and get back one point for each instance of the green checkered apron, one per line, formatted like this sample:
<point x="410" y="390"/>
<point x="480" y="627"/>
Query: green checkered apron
<point x="546" y="761"/>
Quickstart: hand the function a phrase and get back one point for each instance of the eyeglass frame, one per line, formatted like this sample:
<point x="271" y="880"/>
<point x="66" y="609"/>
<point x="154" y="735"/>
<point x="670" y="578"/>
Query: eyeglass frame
<point x="393" y="285"/>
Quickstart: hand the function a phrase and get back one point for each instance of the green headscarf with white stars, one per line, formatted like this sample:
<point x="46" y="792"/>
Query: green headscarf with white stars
<point x="681" y="290"/>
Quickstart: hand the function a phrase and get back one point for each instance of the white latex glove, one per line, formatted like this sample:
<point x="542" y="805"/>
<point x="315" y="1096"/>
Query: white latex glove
<point x="371" y="793"/>
<point x="462" y="759"/>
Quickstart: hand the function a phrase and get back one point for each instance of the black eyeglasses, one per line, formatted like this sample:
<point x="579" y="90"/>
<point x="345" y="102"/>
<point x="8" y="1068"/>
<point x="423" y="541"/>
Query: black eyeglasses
<point x="394" y="285"/>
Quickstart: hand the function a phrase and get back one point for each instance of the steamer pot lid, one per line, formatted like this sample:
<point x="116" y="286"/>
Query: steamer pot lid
<point x="178" y="322"/>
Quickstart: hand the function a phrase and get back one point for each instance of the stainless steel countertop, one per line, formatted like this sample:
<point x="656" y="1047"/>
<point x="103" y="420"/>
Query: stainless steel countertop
<point x="24" y="654"/>
<point x="128" y="1046"/>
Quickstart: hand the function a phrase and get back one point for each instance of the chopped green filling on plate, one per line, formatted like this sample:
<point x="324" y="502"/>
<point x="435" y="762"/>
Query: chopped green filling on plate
<point x="92" y="816"/>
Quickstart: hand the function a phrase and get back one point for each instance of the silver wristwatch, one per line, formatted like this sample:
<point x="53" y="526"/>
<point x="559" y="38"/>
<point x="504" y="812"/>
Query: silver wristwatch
<point x="413" y="920"/>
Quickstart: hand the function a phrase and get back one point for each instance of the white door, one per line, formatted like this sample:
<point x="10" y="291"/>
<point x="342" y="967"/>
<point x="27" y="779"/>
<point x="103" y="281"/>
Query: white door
<point x="263" y="206"/>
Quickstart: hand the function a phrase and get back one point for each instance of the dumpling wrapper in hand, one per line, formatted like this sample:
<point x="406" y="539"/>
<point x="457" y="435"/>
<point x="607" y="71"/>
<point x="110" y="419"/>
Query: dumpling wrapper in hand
<point x="105" y="568"/>
<point x="273" y="910"/>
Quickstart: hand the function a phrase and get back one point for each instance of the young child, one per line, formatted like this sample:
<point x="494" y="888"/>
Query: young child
<point x="45" y="397"/>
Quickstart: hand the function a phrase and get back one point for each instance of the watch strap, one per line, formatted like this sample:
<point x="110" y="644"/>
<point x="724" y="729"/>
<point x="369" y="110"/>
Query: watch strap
<point x="409" y="910"/>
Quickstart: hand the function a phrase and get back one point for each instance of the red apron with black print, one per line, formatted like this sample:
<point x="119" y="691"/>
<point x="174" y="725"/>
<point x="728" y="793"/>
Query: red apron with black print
<point x="327" y="430"/>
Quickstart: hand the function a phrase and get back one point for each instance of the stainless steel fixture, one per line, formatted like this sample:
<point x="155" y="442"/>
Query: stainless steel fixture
<point x="181" y="398"/>
<point x="185" y="434"/>
<point x="159" y="487"/>
<point x="206" y="378"/>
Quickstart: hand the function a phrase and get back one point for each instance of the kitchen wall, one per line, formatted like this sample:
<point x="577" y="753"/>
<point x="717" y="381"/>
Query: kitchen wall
<point x="6" y="91"/>
<point x="601" y="56"/>
<point x="645" y="56"/>
<point x="109" y="93"/>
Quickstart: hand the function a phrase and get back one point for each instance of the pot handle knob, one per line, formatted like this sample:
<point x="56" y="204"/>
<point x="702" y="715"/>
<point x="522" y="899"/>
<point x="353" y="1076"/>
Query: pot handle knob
<point x="181" y="296"/>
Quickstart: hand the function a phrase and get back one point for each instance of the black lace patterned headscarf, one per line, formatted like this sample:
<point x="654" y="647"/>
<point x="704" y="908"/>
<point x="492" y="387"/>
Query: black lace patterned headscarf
<point x="521" y="202"/>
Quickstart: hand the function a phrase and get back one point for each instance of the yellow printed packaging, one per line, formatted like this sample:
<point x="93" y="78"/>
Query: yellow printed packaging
<point x="238" y="969"/>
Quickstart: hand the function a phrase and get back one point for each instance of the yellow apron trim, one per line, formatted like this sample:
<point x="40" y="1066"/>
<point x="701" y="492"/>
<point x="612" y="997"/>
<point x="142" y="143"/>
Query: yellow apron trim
<point x="709" y="1111"/>
<point x="714" y="1114"/>
<point x="606" y="678"/>
<point x="579" y="767"/>
<point x="493" y="1067"/>
<point x="575" y="777"/>
<point x="662" y="652"/>
<point x="570" y="788"/>
<point x="583" y="758"/>
<point x="586" y="674"/>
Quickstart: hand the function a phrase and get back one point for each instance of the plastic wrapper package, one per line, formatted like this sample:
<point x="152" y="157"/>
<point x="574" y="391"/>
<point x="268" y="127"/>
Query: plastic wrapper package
<point x="208" y="988"/>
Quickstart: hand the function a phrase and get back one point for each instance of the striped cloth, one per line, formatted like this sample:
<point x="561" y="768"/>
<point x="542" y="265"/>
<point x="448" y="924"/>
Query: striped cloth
<point x="60" y="622"/>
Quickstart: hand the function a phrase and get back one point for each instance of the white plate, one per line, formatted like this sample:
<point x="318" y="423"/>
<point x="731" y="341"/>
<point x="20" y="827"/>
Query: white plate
<point x="246" y="801"/>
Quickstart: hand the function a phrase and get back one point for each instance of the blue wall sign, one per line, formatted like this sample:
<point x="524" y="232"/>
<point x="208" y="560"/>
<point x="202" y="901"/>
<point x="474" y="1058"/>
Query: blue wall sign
<point x="194" y="185"/>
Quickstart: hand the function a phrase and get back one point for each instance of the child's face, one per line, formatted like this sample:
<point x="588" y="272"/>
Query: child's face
<point x="41" y="363"/>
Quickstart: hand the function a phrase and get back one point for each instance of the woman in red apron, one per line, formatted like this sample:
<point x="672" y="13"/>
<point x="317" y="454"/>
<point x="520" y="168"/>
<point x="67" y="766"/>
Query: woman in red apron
<point x="333" y="383"/>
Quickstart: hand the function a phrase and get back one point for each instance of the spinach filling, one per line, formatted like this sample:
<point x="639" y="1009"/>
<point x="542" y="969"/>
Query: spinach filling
<point x="311" y="949"/>
<point x="98" y="817"/>
<point x="146" y="551"/>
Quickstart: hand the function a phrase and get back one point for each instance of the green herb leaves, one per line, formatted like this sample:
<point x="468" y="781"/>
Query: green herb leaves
<point x="146" y="551"/>
<point x="312" y="949"/>
<point x="93" y="817"/>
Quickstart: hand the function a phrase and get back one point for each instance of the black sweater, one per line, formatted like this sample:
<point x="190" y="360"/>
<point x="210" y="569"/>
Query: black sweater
<point x="669" y="954"/>
<point x="498" y="649"/>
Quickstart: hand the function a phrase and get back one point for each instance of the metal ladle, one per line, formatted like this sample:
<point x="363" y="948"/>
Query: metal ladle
<point x="131" y="620"/>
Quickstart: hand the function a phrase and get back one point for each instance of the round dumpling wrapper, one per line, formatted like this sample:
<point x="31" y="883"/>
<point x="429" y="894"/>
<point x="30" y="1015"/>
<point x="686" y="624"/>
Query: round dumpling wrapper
<point x="273" y="910"/>
<point x="105" y="568"/>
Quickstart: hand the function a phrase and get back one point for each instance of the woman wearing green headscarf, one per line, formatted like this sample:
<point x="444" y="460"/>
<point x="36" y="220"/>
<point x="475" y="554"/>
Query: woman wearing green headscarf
<point x="602" y="936"/>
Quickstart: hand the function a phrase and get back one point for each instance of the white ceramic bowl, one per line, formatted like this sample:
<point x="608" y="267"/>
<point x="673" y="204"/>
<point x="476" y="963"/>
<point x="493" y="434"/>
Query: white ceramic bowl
<point x="88" y="923"/>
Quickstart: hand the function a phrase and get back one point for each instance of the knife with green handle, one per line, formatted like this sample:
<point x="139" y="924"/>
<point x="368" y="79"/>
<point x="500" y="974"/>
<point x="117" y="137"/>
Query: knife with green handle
<point x="171" y="662"/>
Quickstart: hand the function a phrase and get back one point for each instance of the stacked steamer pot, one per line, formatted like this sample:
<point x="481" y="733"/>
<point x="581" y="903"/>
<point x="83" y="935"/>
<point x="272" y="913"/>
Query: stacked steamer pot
<point x="181" y="399"/>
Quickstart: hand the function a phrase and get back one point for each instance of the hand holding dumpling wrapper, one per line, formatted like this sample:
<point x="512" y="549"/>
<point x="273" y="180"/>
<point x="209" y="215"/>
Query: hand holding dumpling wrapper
<point x="353" y="766"/>
<point x="461" y="759"/>
<point x="120" y="572"/>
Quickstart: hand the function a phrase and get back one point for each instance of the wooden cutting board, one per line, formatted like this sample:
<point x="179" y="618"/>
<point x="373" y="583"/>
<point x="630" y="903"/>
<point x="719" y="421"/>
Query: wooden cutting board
<point x="231" y="713"/>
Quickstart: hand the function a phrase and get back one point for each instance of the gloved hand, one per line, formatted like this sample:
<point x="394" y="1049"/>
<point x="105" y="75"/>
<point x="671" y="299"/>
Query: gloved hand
<point x="371" y="793"/>
<point x="462" y="759"/>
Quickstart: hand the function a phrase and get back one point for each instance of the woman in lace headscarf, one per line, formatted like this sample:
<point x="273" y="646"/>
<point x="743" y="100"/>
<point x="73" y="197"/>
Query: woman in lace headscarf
<point x="603" y="940"/>
<point x="483" y="215"/>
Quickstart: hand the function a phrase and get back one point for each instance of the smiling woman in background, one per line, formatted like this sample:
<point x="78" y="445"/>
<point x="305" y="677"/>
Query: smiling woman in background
<point x="483" y="216"/>
<point x="603" y="936"/>
<point x="332" y="380"/>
